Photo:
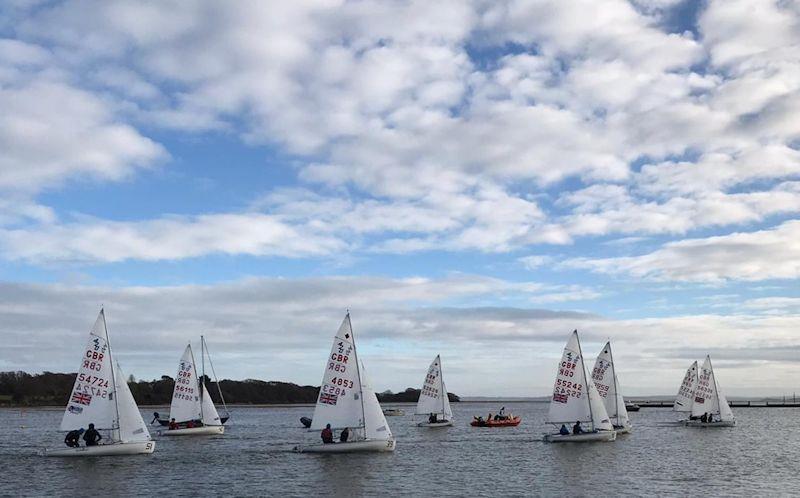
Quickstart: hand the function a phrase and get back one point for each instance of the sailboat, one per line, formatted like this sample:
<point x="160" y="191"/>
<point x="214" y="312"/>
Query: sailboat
<point x="101" y="396"/>
<point x="709" y="400"/>
<point x="346" y="401"/>
<point x="192" y="408"/>
<point x="433" y="400"/>
<point x="604" y="377"/>
<point x="685" y="397"/>
<point x="575" y="399"/>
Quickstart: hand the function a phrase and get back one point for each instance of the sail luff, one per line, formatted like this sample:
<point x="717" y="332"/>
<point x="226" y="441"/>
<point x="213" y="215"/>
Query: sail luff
<point x="586" y="379"/>
<point x="113" y="377"/>
<point x="358" y="373"/>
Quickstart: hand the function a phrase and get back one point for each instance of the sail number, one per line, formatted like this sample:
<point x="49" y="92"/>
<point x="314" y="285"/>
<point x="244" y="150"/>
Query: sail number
<point x="567" y="369"/>
<point x="338" y="381"/>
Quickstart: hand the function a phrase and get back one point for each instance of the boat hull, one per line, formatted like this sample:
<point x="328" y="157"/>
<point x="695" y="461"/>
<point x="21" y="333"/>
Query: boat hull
<point x="114" y="449"/>
<point x="393" y="412"/>
<point x="703" y="425"/>
<point x="586" y="437"/>
<point x="366" y="446"/>
<point x="513" y="422"/>
<point x="445" y="423"/>
<point x="206" y="430"/>
<point x="622" y="429"/>
<point x="165" y="421"/>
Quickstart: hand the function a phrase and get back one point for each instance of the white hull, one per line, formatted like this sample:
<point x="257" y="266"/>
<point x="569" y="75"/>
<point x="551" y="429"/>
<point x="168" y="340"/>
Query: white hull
<point x="586" y="437"/>
<point x="393" y="412"/>
<point x="722" y="423"/>
<point x="446" y="423"/>
<point x="113" y="449"/>
<point x="194" y="431"/>
<point x="622" y="429"/>
<point x="369" y="445"/>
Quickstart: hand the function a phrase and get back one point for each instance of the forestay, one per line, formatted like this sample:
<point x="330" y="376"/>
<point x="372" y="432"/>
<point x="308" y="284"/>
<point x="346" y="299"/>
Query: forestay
<point x="575" y="397"/>
<point x="708" y="397"/>
<point x="605" y="379"/>
<point x="185" y="404"/>
<point x="131" y="425"/>
<point x="685" y="397"/>
<point x="91" y="399"/>
<point x="340" y="396"/>
<point x="433" y="396"/>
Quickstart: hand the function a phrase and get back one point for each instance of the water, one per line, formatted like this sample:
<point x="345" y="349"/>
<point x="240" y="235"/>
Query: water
<point x="254" y="457"/>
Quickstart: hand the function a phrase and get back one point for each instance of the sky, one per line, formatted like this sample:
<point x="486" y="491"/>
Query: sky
<point x="474" y="179"/>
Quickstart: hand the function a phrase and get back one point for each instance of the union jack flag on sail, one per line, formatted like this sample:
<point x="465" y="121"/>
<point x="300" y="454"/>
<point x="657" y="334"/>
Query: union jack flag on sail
<point x="81" y="398"/>
<point x="328" y="399"/>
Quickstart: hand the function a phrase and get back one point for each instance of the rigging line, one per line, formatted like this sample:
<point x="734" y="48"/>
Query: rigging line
<point x="216" y="380"/>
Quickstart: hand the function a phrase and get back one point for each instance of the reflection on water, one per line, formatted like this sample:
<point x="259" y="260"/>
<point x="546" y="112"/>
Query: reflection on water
<point x="254" y="457"/>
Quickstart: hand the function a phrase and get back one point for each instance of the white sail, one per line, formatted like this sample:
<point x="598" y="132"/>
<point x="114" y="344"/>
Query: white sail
<point x="433" y="395"/>
<point x="575" y="398"/>
<point x="685" y="397"/>
<point x="185" y="404"/>
<point x="622" y="412"/>
<point x="339" y="402"/>
<point x="210" y="414"/>
<point x="375" y="426"/>
<point x="707" y="395"/>
<point x="604" y="376"/>
<point x="131" y="425"/>
<point x="91" y="399"/>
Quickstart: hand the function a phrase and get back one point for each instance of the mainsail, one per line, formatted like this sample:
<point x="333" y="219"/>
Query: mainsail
<point x="92" y="396"/>
<point x="708" y="397"/>
<point x="345" y="398"/>
<point x="185" y="404"/>
<point x="605" y="379"/>
<point x="575" y="398"/>
<point x="433" y="396"/>
<point x="685" y="397"/>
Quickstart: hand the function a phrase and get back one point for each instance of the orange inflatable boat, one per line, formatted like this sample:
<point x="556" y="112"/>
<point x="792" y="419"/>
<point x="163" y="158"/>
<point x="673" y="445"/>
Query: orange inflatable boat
<point x="510" y="421"/>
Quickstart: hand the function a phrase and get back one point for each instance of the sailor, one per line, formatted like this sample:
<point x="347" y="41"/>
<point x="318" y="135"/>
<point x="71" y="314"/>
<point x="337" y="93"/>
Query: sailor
<point x="327" y="434"/>
<point x="156" y="416"/>
<point x="73" y="438"/>
<point x="502" y="413"/>
<point x="577" y="429"/>
<point x="432" y="418"/>
<point x="344" y="435"/>
<point x="564" y="431"/>
<point x="172" y="424"/>
<point x="92" y="437"/>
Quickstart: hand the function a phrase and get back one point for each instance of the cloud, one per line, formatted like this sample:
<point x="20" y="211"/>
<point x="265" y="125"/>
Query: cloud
<point x="749" y="256"/>
<point x="276" y="328"/>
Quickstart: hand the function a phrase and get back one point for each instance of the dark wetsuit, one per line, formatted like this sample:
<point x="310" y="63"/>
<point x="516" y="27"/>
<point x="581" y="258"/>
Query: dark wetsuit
<point x="344" y="435"/>
<point x="92" y="437"/>
<point x="73" y="439"/>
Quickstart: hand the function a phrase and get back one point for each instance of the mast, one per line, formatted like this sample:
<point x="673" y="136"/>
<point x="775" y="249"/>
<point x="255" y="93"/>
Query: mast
<point x="585" y="377"/>
<point x="194" y="367"/>
<point x="113" y="374"/>
<point x="442" y="390"/>
<point x="716" y="387"/>
<point x="614" y="378"/>
<point x="203" y="378"/>
<point x="358" y="372"/>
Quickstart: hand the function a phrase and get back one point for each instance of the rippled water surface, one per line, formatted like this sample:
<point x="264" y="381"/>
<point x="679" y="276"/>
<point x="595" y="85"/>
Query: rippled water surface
<point x="760" y="456"/>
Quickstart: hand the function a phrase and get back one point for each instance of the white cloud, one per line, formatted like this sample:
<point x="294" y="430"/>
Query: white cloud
<point x="280" y="329"/>
<point x="750" y="256"/>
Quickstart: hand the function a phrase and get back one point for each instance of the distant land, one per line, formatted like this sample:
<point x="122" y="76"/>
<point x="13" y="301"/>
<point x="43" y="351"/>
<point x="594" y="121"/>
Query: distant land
<point x="53" y="389"/>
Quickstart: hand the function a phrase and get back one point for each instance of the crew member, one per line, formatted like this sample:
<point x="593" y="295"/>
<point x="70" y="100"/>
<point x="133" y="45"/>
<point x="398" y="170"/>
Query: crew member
<point x="91" y="436"/>
<point x="327" y="434"/>
<point x="73" y="438"/>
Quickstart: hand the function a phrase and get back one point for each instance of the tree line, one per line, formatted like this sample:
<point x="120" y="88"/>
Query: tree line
<point x="53" y="389"/>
